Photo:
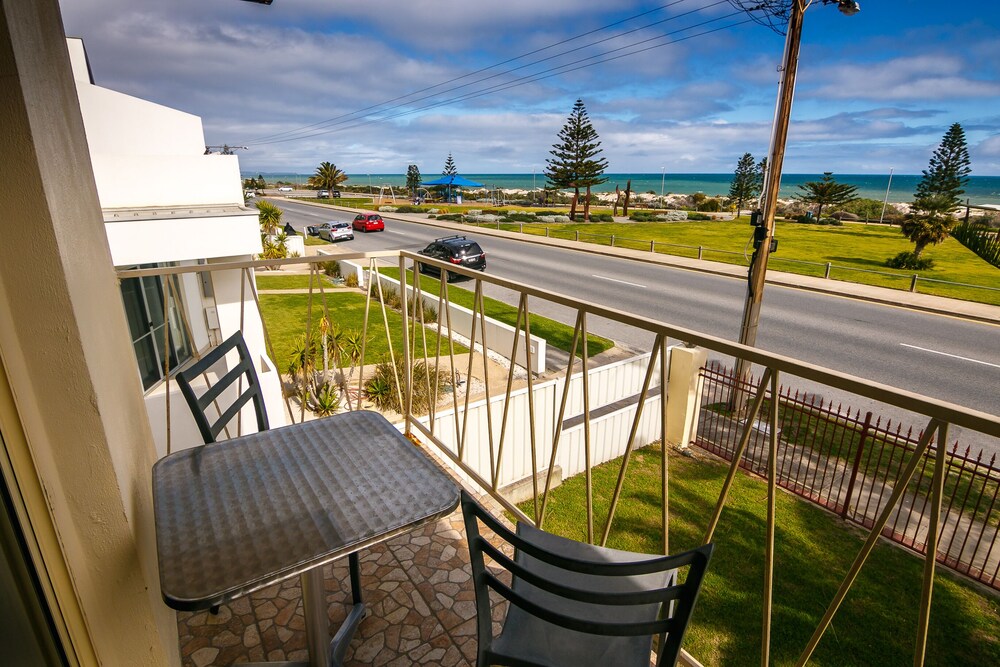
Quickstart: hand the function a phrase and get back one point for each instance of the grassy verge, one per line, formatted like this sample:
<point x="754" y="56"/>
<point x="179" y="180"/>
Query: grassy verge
<point x="876" y="625"/>
<point x="555" y="333"/>
<point x="854" y="250"/>
<point x="286" y="316"/>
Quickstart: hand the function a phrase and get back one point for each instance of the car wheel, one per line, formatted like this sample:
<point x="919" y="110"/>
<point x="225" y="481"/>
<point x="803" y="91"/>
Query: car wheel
<point x="351" y="237"/>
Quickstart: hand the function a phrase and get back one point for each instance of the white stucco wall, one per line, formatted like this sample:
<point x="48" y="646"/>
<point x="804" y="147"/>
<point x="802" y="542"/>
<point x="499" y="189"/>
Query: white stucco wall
<point x="143" y="241"/>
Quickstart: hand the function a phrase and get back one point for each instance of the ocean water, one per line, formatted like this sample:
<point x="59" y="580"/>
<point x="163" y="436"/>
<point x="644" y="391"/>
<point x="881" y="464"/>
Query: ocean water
<point x="980" y="189"/>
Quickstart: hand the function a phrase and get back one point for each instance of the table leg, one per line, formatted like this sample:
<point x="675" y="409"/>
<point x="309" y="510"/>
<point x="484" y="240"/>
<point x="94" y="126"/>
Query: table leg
<point x="338" y="647"/>
<point x="315" y="611"/>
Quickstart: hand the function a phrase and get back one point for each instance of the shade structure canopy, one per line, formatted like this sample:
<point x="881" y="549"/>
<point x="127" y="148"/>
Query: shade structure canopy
<point x="455" y="180"/>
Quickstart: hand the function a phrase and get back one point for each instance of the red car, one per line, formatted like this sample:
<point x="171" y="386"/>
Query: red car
<point x="369" y="222"/>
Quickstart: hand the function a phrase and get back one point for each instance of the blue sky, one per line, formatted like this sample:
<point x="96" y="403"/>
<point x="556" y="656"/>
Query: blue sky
<point x="303" y="81"/>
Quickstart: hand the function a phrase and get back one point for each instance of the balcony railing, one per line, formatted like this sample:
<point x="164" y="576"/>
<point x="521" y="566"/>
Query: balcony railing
<point x="522" y="432"/>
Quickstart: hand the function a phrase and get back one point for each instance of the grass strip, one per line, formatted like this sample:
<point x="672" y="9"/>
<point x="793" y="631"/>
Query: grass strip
<point x="876" y="624"/>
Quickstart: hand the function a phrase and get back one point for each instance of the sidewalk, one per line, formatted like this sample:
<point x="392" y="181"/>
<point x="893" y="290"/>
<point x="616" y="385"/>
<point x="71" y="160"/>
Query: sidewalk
<point x="924" y="302"/>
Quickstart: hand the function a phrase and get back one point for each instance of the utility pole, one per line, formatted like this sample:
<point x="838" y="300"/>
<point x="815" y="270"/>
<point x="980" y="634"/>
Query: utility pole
<point x="772" y="183"/>
<point x="886" y="200"/>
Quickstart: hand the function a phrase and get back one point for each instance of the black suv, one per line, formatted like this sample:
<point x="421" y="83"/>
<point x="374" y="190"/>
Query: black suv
<point x="457" y="250"/>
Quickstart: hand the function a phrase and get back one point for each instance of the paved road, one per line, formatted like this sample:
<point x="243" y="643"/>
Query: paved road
<point x="944" y="357"/>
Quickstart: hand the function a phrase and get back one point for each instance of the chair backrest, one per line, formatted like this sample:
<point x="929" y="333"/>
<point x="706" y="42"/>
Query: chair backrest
<point x="601" y="593"/>
<point x="248" y="390"/>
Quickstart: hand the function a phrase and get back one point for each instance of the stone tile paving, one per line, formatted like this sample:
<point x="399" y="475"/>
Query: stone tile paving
<point x="418" y="590"/>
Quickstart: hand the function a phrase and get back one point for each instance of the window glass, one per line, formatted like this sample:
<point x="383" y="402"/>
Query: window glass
<point x="143" y="300"/>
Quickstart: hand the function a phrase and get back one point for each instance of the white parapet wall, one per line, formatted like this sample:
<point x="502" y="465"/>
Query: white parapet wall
<point x="499" y="336"/>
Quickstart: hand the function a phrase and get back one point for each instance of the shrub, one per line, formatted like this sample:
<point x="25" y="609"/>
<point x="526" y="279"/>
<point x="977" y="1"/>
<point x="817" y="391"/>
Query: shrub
<point x="601" y="217"/>
<point x="330" y="268"/>
<point x="712" y="205"/>
<point x="351" y="280"/>
<point x="698" y="216"/>
<point x="642" y="216"/>
<point x="909" y="260"/>
<point x="381" y="388"/>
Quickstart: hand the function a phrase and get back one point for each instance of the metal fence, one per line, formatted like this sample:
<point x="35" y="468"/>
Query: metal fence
<point x="849" y="463"/>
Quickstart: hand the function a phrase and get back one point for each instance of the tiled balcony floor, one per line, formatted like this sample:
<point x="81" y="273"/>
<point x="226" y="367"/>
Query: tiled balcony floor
<point x="418" y="590"/>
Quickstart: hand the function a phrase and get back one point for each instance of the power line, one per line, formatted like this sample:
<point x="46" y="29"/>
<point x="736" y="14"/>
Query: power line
<point x="531" y="78"/>
<point x="478" y="71"/>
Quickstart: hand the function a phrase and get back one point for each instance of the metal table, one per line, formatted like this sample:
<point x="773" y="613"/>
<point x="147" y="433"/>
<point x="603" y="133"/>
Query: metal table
<point x="240" y="515"/>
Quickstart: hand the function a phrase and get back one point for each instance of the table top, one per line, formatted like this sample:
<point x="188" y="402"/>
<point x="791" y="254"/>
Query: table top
<point x="239" y="515"/>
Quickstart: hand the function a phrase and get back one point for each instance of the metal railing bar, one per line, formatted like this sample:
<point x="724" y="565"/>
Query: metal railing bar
<point x="468" y="373"/>
<point x="587" y="453"/>
<point x="562" y="415"/>
<point x="166" y="359"/>
<point x="388" y="337"/>
<point x="738" y="453"/>
<point x="630" y="444"/>
<point x="445" y="298"/>
<point x="364" y="327"/>
<point x="930" y="562"/>
<point x="519" y="515"/>
<point x="664" y="459"/>
<point x="418" y="304"/>
<point x="274" y="358"/>
<point x="873" y="536"/>
<point x="407" y="387"/>
<point x="510" y="385"/>
<point x="772" y="478"/>
<point x="531" y="405"/>
<point x="494" y="462"/>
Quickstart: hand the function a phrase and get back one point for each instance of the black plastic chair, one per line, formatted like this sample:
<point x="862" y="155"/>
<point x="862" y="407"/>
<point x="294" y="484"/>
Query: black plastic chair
<point x="250" y="390"/>
<point x="578" y="604"/>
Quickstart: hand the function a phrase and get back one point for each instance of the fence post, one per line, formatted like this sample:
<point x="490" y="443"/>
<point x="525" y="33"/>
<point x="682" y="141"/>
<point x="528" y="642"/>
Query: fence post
<point x="546" y="232"/>
<point x="498" y="225"/>
<point x="857" y="463"/>
<point x="913" y="283"/>
<point x="652" y="246"/>
<point x="700" y="249"/>
<point x="827" y="274"/>
<point x="577" y="232"/>
<point x="612" y="240"/>
<point x="520" y="228"/>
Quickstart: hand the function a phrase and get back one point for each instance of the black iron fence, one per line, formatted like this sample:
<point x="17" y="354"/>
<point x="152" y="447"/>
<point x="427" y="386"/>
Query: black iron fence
<point x="848" y="462"/>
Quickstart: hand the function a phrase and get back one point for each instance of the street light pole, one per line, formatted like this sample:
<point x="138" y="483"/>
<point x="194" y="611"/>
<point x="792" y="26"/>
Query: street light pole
<point x="886" y="200"/>
<point x="663" y="178"/>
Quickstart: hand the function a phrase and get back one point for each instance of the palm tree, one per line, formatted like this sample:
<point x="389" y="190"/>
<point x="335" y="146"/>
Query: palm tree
<point x="327" y="177"/>
<point x="269" y="216"/>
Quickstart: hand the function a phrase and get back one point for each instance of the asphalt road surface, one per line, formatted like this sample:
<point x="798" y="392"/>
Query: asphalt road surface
<point x="944" y="357"/>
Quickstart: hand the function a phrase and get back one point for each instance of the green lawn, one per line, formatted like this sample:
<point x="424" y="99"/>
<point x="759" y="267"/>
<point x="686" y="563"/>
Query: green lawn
<point x="270" y="282"/>
<point x="853" y="249"/>
<point x="285" y="316"/>
<point x="555" y="333"/>
<point x="876" y="625"/>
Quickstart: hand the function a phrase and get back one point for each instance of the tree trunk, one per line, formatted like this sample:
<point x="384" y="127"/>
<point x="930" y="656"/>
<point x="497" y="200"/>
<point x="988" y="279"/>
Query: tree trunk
<point x="918" y="247"/>
<point x="586" y="206"/>
<point x="819" y="212"/>
<point x="618" y="198"/>
<point x="628" y="195"/>
<point x="572" y="206"/>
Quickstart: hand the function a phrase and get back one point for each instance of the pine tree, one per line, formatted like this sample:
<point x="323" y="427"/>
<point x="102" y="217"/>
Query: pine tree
<point x="449" y="167"/>
<point x="413" y="179"/>
<point x="575" y="161"/>
<point x="826" y="191"/>
<point x="744" y="185"/>
<point x="939" y="192"/>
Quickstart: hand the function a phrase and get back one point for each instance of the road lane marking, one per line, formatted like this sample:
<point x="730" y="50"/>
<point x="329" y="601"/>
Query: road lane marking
<point x="954" y="356"/>
<point x="615" y="280"/>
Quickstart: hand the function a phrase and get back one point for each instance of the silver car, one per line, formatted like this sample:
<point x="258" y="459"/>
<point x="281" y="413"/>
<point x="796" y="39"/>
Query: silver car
<point x="336" y="231"/>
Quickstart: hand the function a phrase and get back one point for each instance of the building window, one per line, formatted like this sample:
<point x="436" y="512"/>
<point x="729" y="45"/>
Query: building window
<point x="143" y="300"/>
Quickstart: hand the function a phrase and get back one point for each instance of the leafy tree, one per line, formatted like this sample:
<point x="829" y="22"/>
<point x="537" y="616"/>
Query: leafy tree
<point x="575" y="161"/>
<point x="826" y="191"/>
<point x="744" y="186"/>
<point x="449" y="167"/>
<point x="413" y="178"/>
<point x="327" y="177"/>
<point x="269" y="216"/>
<point x="939" y="192"/>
